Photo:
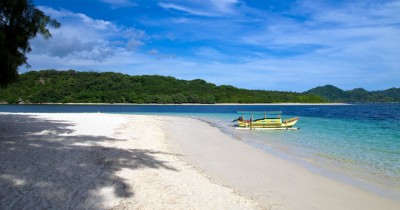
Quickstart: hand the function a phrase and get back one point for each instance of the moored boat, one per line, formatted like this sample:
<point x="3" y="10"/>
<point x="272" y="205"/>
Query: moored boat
<point x="270" y="120"/>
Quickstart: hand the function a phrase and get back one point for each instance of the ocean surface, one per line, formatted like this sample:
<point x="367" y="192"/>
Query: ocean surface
<point x="358" y="144"/>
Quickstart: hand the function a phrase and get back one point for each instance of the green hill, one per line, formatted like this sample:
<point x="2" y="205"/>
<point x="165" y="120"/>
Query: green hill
<point x="334" y="94"/>
<point x="329" y="92"/>
<point x="52" y="86"/>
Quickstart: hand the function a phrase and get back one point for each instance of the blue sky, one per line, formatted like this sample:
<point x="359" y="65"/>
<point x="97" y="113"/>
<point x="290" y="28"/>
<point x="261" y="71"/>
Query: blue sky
<point x="290" y="45"/>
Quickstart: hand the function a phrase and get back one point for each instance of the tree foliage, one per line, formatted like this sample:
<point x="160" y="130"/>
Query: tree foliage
<point x="53" y="86"/>
<point x="20" y="21"/>
<point x="334" y="94"/>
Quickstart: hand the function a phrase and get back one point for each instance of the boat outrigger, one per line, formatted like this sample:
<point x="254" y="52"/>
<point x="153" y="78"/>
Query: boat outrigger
<point x="270" y="121"/>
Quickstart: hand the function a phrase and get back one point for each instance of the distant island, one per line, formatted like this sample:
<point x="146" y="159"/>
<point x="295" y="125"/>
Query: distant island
<point x="53" y="86"/>
<point x="357" y="95"/>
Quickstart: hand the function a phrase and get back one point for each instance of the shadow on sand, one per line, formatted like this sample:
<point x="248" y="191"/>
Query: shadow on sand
<point x="42" y="167"/>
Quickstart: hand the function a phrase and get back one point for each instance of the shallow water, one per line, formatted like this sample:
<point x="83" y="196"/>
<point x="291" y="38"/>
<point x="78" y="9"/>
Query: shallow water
<point x="358" y="153"/>
<point x="358" y="144"/>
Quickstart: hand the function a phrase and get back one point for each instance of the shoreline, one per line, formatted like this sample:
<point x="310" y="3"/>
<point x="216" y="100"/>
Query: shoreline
<point x="354" y="175"/>
<point x="188" y="104"/>
<point x="249" y="162"/>
<point x="350" y="175"/>
<point x="102" y="161"/>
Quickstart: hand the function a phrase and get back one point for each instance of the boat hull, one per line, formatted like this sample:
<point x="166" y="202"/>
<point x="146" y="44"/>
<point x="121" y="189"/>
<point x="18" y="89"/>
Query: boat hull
<point x="269" y="123"/>
<point x="259" y="128"/>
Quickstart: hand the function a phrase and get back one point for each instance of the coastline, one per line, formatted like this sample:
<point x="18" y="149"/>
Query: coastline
<point x="102" y="161"/>
<point x="258" y="174"/>
<point x="188" y="104"/>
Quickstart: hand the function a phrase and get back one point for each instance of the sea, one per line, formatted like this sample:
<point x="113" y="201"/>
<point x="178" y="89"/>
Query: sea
<point x="358" y="144"/>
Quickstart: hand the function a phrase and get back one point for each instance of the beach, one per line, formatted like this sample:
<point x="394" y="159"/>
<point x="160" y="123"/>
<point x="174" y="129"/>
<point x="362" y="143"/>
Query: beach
<point x="115" y="161"/>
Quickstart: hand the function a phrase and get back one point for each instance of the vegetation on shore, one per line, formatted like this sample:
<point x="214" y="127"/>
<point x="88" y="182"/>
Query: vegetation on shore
<point x="52" y="86"/>
<point x="357" y="95"/>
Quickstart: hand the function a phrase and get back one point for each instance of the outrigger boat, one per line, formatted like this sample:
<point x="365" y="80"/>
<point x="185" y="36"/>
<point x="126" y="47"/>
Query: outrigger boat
<point x="270" y="121"/>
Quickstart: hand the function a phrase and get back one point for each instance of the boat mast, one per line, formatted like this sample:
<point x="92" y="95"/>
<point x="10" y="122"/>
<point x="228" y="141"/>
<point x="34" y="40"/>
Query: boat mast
<point x="251" y="120"/>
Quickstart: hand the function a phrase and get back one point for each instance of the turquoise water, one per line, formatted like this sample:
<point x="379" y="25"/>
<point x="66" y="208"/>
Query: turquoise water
<point x="364" y="153"/>
<point x="356" y="144"/>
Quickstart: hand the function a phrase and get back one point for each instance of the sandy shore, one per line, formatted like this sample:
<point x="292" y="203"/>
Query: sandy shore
<point x="100" y="161"/>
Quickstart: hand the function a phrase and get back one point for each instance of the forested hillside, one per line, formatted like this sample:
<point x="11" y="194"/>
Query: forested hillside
<point x="52" y="86"/>
<point x="334" y="94"/>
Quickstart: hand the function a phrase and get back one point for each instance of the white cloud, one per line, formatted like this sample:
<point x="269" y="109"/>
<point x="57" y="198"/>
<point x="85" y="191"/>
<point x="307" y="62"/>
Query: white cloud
<point x="153" y="52"/>
<point x="208" y="52"/>
<point x="133" y="44"/>
<point x="225" y="6"/>
<point x="209" y="8"/>
<point x="351" y="13"/>
<point x="120" y="3"/>
<point x="159" y="56"/>
<point x="134" y="38"/>
<point x="69" y="46"/>
<point x="187" y="9"/>
<point x="84" y="43"/>
<point x="82" y="37"/>
<point x="81" y="25"/>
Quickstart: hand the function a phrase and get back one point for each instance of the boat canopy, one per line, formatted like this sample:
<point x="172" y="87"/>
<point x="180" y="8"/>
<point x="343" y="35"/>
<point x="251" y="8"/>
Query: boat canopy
<point x="260" y="112"/>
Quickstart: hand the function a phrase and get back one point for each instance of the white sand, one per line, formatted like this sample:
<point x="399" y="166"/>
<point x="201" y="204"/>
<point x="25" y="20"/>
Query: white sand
<point x="100" y="161"/>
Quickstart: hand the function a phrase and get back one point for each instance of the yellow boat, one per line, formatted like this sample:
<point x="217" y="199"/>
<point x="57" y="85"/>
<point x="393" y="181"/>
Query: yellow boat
<point x="270" y="121"/>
